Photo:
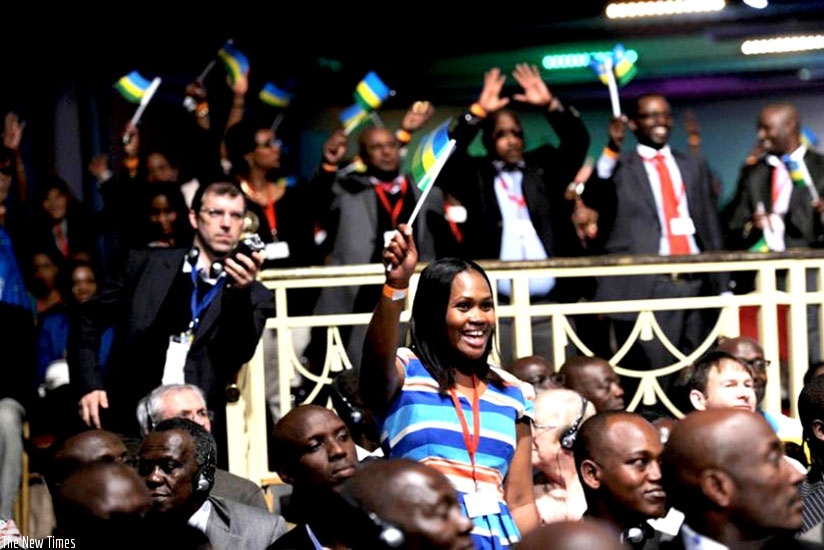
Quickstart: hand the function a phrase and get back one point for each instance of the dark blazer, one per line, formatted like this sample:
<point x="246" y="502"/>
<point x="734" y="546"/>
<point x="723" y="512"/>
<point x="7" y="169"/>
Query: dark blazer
<point x="235" y="526"/>
<point x="547" y="171"/>
<point x="239" y="489"/>
<point x="803" y="225"/>
<point x="628" y="219"/>
<point x="131" y="301"/>
<point x="781" y="542"/>
<point x="296" y="539"/>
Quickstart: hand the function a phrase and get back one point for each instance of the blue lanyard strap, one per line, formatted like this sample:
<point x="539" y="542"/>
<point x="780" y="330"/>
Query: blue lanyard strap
<point x="198" y="307"/>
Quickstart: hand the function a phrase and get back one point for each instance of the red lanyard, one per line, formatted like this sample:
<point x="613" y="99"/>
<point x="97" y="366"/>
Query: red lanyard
<point x="394" y="213"/>
<point x="271" y="217"/>
<point x="471" y="442"/>
<point x="519" y="200"/>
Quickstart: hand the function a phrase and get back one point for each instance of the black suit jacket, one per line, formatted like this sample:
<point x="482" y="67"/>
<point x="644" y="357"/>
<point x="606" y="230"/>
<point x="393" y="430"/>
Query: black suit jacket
<point x="131" y="301"/>
<point x="628" y="219"/>
<point x="803" y="225"/>
<point x="547" y="171"/>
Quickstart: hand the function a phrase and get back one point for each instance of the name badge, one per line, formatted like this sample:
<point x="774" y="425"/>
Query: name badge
<point x="682" y="226"/>
<point x="479" y="504"/>
<point x="387" y="237"/>
<point x="176" y="353"/>
<point x="277" y="250"/>
<point x="455" y="213"/>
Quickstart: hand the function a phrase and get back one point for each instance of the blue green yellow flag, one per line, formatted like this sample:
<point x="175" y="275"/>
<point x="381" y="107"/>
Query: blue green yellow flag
<point x="432" y="151"/>
<point x="132" y="87"/>
<point x="273" y="96"/>
<point x="371" y="92"/>
<point x="352" y="117"/>
<point x="236" y="63"/>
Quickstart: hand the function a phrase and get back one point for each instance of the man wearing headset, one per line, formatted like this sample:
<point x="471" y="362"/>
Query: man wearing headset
<point x="177" y="461"/>
<point x="616" y="455"/>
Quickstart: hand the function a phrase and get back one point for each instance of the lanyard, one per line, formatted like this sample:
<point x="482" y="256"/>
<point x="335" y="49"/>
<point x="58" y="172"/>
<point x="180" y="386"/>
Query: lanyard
<point x="271" y="217"/>
<point x="198" y="307"/>
<point x="471" y="442"/>
<point x="395" y="212"/>
<point x="518" y="200"/>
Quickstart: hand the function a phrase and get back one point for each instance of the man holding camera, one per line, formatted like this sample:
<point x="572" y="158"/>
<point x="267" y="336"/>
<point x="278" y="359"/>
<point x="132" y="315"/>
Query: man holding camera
<point x="179" y="316"/>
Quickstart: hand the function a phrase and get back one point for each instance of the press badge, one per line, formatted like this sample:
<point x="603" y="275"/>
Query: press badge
<point x="277" y="250"/>
<point x="176" y="353"/>
<point x="682" y="226"/>
<point x="479" y="504"/>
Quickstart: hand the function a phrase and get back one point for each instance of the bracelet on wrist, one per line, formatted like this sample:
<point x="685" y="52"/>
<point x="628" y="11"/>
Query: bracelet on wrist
<point x="477" y="110"/>
<point x="610" y="152"/>
<point x="329" y="167"/>
<point x="395" y="294"/>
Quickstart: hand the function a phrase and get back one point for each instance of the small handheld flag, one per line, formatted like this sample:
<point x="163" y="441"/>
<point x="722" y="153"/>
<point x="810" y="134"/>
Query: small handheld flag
<point x="429" y="158"/>
<point x="237" y="65"/>
<point x="352" y="117"/>
<point x="132" y="87"/>
<point x="137" y="89"/>
<point x="808" y="137"/>
<point x="615" y="69"/>
<point x="273" y="96"/>
<point x="371" y="92"/>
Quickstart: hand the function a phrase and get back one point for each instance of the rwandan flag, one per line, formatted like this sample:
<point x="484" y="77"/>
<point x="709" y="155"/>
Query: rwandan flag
<point x="371" y="92"/>
<point x="600" y="69"/>
<point x="274" y="97"/>
<point x="352" y="117"/>
<point x="760" y="246"/>
<point x="132" y="87"/>
<point x="623" y="64"/>
<point x="288" y="181"/>
<point x="796" y="172"/>
<point x="434" y="146"/>
<point x="236" y="63"/>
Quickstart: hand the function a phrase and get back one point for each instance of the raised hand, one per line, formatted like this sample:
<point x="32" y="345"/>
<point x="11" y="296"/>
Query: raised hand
<point x="535" y="89"/>
<point x="99" y="166"/>
<point x="335" y="147"/>
<point x="490" y="99"/>
<point x="400" y="256"/>
<point x="417" y="115"/>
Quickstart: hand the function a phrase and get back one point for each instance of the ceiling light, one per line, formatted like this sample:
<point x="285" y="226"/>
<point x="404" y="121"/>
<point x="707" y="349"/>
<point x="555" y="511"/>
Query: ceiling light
<point x="783" y="44"/>
<point x="622" y="10"/>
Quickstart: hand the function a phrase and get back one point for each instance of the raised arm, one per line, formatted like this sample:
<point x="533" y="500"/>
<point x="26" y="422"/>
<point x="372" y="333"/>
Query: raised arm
<point x="380" y="376"/>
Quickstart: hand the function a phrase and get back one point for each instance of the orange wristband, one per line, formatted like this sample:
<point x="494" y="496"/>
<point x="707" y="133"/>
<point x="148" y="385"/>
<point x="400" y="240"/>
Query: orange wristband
<point x="327" y="167"/>
<point x="395" y="294"/>
<point x="610" y="153"/>
<point x="403" y="136"/>
<point x="477" y="110"/>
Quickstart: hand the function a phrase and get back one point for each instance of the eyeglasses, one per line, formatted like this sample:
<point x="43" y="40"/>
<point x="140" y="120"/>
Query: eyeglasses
<point x="216" y="214"/>
<point x="273" y="143"/>
<point x="758" y="363"/>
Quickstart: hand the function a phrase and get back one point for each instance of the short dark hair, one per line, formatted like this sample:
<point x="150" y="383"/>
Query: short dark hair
<point x="427" y="325"/>
<point x="699" y="371"/>
<point x="488" y="128"/>
<point x="205" y="446"/>
<point x="811" y="405"/>
<point x="591" y="435"/>
<point x="218" y="188"/>
<point x="635" y="106"/>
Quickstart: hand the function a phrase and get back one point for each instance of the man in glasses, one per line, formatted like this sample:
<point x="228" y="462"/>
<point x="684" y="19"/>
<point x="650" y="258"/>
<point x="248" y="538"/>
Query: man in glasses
<point x="179" y="316"/>
<point x="187" y="401"/>
<point x="654" y="200"/>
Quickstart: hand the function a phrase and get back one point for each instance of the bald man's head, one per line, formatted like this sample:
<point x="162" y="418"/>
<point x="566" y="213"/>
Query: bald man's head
<point x="535" y="370"/>
<point x="99" y="499"/>
<point x="315" y="449"/>
<point x="725" y="468"/>
<point x="573" y="535"/>
<point x="416" y="498"/>
<point x="779" y="128"/>
<point x="86" y="448"/>
<point x="595" y="379"/>
<point x="616" y="456"/>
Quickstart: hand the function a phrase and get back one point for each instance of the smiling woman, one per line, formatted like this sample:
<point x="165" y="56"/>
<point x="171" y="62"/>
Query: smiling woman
<point x="440" y="402"/>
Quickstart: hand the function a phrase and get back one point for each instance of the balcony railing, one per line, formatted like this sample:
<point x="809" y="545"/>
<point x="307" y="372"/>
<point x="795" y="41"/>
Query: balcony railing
<point x="247" y="417"/>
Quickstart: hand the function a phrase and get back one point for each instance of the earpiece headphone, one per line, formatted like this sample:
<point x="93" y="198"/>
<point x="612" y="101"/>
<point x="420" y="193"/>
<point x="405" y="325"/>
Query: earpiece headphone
<point x="569" y="436"/>
<point x="204" y="479"/>
<point x="354" y="414"/>
<point x="637" y="535"/>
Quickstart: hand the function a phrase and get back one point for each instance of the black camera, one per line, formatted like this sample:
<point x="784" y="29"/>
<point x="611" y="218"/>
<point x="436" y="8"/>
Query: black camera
<point x="247" y="245"/>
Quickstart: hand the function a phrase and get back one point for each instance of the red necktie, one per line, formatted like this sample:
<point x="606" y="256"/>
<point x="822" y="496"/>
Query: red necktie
<point x="62" y="242"/>
<point x="678" y="244"/>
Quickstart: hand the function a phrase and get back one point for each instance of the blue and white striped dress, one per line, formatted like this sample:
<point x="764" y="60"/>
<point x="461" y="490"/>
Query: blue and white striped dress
<point x="422" y="425"/>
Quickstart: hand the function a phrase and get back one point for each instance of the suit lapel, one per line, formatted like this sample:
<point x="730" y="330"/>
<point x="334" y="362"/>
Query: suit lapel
<point x="636" y="166"/>
<point x="157" y="287"/>
<point x="218" y="528"/>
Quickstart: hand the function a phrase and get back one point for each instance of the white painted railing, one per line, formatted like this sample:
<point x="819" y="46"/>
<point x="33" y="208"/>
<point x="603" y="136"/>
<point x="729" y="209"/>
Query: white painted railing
<point x="247" y="417"/>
